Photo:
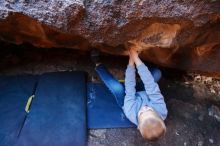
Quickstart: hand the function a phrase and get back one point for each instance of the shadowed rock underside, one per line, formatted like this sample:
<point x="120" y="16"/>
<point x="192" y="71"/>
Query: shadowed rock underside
<point x="183" y="34"/>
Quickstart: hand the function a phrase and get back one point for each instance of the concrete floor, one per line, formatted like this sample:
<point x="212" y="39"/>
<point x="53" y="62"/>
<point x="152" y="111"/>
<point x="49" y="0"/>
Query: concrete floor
<point x="193" y="101"/>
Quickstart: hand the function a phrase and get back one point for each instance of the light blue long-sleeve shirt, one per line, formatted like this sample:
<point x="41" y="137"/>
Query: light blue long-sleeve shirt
<point x="151" y="97"/>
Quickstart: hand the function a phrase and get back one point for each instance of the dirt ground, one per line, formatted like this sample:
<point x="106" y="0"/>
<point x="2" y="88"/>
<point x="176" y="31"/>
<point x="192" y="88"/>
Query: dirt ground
<point x="193" y="100"/>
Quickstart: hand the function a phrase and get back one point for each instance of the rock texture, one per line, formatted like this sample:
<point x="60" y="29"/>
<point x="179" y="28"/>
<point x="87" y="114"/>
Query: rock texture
<point x="183" y="34"/>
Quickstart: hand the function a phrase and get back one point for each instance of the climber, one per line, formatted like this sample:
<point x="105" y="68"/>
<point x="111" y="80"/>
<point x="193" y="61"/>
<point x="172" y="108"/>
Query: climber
<point x="147" y="108"/>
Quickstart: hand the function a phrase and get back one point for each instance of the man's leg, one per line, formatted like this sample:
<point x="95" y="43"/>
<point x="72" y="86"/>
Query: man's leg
<point x="116" y="88"/>
<point x="156" y="73"/>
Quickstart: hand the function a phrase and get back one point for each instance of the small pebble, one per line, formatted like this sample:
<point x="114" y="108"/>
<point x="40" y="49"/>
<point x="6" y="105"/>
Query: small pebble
<point x="200" y="143"/>
<point x="185" y="144"/>
<point x="201" y="117"/>
<point x="211" y="140"/>
<point x="187" y="83"/>
<point x="212" y="91"/>
<point x="177" y="134"/>
<point x="214" y="111"/>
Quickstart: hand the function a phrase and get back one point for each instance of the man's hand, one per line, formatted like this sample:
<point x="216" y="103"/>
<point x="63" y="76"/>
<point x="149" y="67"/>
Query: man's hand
<point x="131" y="61"/>
<point x="134" y="56"/>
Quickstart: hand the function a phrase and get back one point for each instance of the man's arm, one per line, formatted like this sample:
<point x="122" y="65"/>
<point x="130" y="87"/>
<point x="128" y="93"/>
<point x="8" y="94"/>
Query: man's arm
<point x="151" y="87"/>
<point x="153" y="91"/>
<point x="130" y="81"/>
<point x="130" y="102"/>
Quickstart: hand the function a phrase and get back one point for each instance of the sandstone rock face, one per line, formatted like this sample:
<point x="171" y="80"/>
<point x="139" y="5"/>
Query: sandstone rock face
<point x="183" y="34"/>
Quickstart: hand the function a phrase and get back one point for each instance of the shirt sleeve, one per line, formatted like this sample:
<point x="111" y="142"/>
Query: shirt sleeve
<point x="130" y="82"/>
<point x="131" y="103"/>
<point x="152" y="90"/>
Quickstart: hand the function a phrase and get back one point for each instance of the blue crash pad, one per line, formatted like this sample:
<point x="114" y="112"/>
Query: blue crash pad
<point x="103" y="110"/>
<point x="58" y="112"/>
<point x="14" y="93"/>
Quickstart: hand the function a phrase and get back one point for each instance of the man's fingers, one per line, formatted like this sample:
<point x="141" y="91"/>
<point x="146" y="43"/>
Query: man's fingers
<point x="134" y="52"/>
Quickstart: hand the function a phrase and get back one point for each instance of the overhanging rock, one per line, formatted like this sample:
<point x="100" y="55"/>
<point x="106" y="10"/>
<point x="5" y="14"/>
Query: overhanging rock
<point x="182" y="34"/>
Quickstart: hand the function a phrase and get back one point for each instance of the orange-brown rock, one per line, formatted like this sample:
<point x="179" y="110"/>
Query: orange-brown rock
<point x="183" y="34"/>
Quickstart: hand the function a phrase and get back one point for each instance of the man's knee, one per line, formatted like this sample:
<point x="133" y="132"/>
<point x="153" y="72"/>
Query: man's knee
<point x="156" y="73"/>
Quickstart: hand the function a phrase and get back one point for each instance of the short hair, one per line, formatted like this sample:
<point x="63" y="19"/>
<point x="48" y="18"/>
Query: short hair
<point x="151" y="127"/>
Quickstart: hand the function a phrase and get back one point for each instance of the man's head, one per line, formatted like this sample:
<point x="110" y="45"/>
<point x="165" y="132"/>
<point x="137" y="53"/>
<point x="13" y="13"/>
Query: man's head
<point x="150" y="124"/>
